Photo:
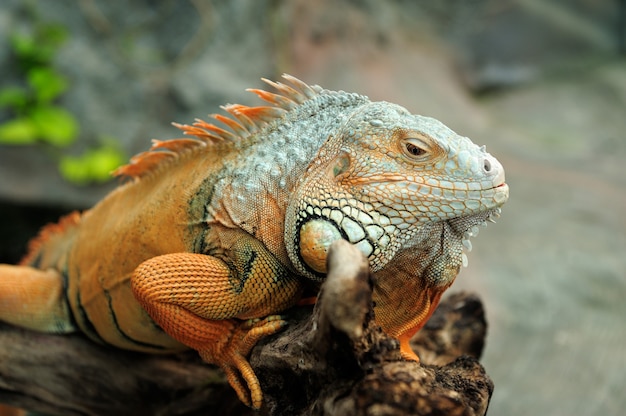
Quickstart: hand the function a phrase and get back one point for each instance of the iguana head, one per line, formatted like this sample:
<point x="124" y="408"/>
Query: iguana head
<point x="392" y="182"/>
<point x="403" y="188"/>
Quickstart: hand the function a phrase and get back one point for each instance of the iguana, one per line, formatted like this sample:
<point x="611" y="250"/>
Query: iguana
<point x="213" y="237"/>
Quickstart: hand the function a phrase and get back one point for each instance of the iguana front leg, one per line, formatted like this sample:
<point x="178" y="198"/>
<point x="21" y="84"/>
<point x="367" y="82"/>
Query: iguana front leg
<point x="216" y="305"/>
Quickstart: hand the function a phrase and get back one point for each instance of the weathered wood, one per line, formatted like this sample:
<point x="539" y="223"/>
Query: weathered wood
<point x="331" y="360"/>
<point x="70" y="375"/>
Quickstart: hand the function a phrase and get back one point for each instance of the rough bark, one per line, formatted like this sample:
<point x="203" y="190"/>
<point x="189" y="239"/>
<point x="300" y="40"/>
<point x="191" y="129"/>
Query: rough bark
<point x="331" y="360"/>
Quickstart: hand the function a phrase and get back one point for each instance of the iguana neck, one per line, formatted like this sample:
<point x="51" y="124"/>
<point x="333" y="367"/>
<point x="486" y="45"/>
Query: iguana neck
<point x="253" y="188"/>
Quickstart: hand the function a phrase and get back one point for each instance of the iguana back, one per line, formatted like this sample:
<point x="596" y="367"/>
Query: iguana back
<point x="164" y="209"/>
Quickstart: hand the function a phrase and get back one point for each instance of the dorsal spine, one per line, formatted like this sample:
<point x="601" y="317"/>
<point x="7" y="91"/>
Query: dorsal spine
<point x="242" y="122"/>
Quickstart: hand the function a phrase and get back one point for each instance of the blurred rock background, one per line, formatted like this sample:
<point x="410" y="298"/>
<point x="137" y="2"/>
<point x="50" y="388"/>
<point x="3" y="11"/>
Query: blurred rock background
<point x="541" y="83"/>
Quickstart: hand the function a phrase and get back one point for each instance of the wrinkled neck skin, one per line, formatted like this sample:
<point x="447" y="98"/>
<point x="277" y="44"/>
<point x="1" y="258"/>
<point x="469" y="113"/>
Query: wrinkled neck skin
<point x="423" y="271"/>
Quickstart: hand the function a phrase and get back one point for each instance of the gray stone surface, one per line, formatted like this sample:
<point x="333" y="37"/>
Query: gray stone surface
<point x="552" y="271"/>
<point x="133" y="69"/>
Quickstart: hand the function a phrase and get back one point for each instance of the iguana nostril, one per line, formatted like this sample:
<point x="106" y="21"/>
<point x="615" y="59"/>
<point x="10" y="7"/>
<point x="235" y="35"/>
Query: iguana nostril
<point x="493" y="170"/>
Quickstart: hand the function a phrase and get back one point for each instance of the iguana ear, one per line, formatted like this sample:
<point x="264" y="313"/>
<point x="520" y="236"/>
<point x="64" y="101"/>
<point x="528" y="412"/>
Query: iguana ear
<point x="315" y="238"/>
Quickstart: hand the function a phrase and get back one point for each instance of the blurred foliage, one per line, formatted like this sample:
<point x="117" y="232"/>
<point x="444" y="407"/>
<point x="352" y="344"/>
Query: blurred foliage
<point x="35" y="118"/>
<point x="95" y="165"/>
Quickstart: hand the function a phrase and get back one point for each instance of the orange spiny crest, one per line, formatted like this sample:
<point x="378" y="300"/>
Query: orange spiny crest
<point x="235" y="111"/>
<point x="222" y="133"/>
<point x="306" y="89"/>
<point x="176" y="145"/>
<point x="286" y="90"/>
<point x="48" y="231"/>
<point x="243" y="120"/>
<point x="257" y="115"/>
<point x="276" y="99"/>
<point x="200" y="130"/>
<point x="143" y="162"/>
<point x="232" y="124"/>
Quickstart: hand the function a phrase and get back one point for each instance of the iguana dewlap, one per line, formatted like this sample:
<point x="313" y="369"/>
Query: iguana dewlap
<point x="216" y="235"/>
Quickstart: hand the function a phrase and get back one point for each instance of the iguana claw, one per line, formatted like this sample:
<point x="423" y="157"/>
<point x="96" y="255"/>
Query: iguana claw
<point x="233" y="358"/>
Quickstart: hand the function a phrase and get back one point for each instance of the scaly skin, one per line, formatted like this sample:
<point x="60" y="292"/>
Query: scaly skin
<point x="406" y="190"/>
<point x="217" y="235"/>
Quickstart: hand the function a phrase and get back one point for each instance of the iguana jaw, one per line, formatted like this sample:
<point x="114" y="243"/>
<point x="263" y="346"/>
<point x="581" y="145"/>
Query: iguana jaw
<point x="374" y="230"/>
<point x="464" y="228"/>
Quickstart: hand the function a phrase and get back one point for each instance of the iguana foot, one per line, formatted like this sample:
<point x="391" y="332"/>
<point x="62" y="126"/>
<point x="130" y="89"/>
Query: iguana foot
<point x="225" y="343"/>
<point x="232" y="358"/>
<point x="200" y="302"/>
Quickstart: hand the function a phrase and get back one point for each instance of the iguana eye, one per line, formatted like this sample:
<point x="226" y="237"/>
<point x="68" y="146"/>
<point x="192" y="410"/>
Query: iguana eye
<point x="415" y="148"/>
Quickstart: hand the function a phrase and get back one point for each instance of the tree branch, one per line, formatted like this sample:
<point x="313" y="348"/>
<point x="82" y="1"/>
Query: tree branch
<point x="333" y="360"/>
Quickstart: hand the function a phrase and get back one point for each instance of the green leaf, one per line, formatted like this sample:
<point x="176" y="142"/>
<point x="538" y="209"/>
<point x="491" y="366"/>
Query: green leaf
<point x="55" y="125"/>
<point x="47" y="83"/>
<point x="52" y="34"/>
<point x="18" y="131"/>
<point x="15" y="98"/>
<point x="74" y="169"/>
<point x="24" y="46"/>
<point x="93" y="166"/>
<point x="33" y="49"/>
<point x="103" y="161"/>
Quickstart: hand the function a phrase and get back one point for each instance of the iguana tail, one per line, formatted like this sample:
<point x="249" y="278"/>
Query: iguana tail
<point x="32" y="294"/>
<point x="34" y="299"/>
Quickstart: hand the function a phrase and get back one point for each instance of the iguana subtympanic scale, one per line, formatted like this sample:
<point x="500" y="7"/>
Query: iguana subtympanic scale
<point x="215" y="235"/>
